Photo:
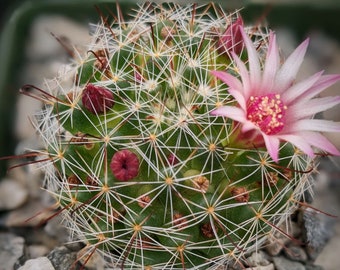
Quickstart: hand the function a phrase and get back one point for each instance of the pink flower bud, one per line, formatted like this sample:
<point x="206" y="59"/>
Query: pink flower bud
<point x="232" y="40"/>
<point x="124" y="165"/>
<point x="97" y="99"/>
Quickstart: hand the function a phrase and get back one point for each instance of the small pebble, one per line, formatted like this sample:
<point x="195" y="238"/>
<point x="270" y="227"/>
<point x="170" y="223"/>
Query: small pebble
<point x="12" y="194"/>
<point x="296" y="253"/>
<point x="32" y="214"/>
<point x="282" y="263"/>
<point x="36" y="251"/>
<point x="62" y="258"/>
<point x="55" y="228"/>
<point x="317" y="232"/>
<point x="41" y="263"/>
<point x="11" y="249"/>
<point x="314" y="267"/>
<point x="266" y="267"/>
<point x="257" y="259"/>
<point x="276" y="244"/>
<point x="95" y="262"/>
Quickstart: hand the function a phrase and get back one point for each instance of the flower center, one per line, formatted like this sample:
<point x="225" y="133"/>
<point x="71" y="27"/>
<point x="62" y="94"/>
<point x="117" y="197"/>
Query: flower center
<point x="267" y="112"/>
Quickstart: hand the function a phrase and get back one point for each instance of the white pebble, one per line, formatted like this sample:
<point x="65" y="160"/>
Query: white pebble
<point x="41" y="263"/>
<point x="12" y="194"/>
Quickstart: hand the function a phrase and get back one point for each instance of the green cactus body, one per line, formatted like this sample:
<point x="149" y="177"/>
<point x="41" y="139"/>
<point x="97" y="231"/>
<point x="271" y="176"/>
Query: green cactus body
<point x="151" y="179"/>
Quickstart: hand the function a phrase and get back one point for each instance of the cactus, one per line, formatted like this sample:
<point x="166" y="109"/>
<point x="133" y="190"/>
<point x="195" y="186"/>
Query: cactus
<point x="139" y="159"/>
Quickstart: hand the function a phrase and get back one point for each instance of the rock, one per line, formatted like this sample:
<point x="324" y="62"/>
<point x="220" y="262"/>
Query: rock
<point x="296" y="253"/>
<point x="95" y="262"/>
<point x="266" y="267"/>
<point x="282" y="263"/>
<point x="29" y="176"/>
<point x="36" y="251"/>
<point x="314" y="267"/>
<point x="276" y="244"/>
<point x="278" y="240"/>
<point x="12" y="194"/>
<point x="31" y="214"/>
<point x="56" y="229"/>
<point x="329" y="258"/>
<point x="257" y="259"/>
<point x="232" y="265"/>
<point x="11" y="249"/>
<point x="317" y="232"/>
<point x="41" y="263"/>
<point x="62" y="258"/>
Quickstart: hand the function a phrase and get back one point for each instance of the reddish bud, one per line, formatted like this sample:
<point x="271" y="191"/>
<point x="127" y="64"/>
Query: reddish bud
<point x="124" y="165"/>
<point x="73" y="181"/>
<point x="138" y="76"/>
<point x="172" y="159"/>
<point x="97" y="99"/>
<point x="179" y="221"/>
<point x="231" y="40"/>
<point x="271" y="178"/>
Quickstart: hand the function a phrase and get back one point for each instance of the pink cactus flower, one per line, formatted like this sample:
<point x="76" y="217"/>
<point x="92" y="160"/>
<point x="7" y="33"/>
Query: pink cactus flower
<point x="272" y="106"/>
<point x="97" y="99"/>
<point x="231" y="40"/>
<point x="124" y="165"/>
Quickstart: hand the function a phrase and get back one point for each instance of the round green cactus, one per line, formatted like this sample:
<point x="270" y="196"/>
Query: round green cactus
<point x="146" y="174"/>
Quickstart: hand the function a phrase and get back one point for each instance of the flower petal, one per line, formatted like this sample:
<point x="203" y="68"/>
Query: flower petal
<point x="311" y="107"/>
<point x="242" y="70"/>
<point x="232" y="112"/>
<point x="248" y="125"/>
<point x="287" y="73"/>
<point x="253" y="58"/>
<point x="313" y="125"/>
<point x="300" y="88"/>
<point x="321" y="142"/>
<point x="271" y="64"/>
<point x="228" y="79"/>
<point x="300" y="142"/>
<point x="239" y="98"/>
<point x="324" y="82"/>
<point x="272" y="145"/>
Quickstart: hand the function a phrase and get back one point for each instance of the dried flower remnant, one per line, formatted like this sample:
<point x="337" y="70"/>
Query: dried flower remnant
<point x="124" y="165"/>
<point x="209" y="231"/>
<point x="240" y="194"/>
<point x="97" y="99"/>
<point x="271" y="178"/>
<point x="73" y="181"/>
<point x="91" y="182"/>
<point x="101" y="63"/>
<point x="144" y="201"/>
<point x="201" y="183"/>
<point x="272" y="104"/>
<point x="179" y="221"/>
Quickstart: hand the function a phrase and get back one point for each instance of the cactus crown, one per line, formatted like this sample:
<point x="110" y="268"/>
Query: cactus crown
<point x="146" y="174"/>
